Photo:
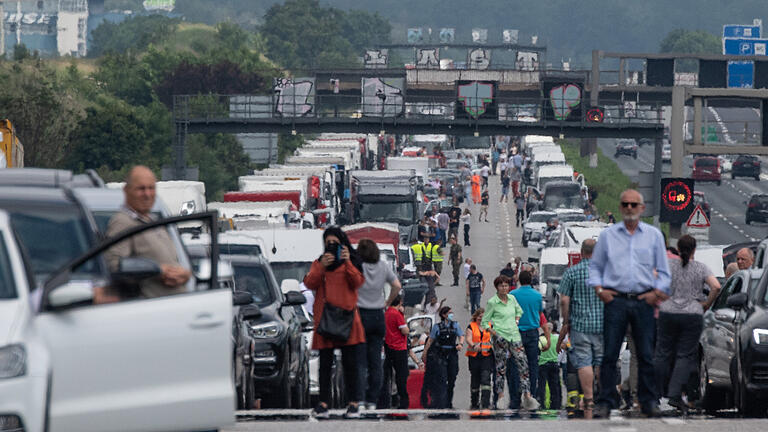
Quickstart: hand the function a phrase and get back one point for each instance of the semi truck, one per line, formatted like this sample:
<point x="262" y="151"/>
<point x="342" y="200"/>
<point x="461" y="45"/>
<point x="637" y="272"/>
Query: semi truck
<point x="386" y="196"/>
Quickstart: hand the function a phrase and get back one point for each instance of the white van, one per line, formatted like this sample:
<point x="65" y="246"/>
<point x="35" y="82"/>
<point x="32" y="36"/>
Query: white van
<point x="548" y="173"/>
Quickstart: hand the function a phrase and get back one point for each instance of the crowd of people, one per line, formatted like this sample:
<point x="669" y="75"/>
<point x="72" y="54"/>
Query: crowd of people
<point x="627" y="287"/>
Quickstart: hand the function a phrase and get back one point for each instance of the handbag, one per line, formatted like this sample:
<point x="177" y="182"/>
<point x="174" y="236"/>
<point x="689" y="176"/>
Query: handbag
<point x="336" y="323"/>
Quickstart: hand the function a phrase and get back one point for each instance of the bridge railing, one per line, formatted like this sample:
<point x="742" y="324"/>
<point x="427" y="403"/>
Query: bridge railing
<point x="212" y="108"/>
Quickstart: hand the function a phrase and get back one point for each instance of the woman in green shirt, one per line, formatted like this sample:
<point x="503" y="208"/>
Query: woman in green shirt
<point x="503" y="311"/>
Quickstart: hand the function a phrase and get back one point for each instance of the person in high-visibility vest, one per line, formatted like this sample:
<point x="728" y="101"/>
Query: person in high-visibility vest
<point x="418" y="253"/>
<point x="436" y="255"/>
<point x="481" y="362"/>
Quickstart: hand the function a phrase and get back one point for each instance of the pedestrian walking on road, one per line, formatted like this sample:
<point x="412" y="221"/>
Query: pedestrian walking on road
<point x="479" y="350"/>
<point x="509" y="272"/>
<point x="519" y="210"/>
<point x="531" y="301"/>
<point x="454" y="217"/>
<point x="515" y="178"/>
<point x="630" y="273"/>
<point x="582" y="313"/>
<point x="455" y="258"/>
<point x="475" y="287"/>
<point x="476" y="188"/>
<point x="484" y="206"/>
<point x="441" y="355"/>
<point x="484" y="172"/>
<point x="549" y="369"/>
<point x="504" y="312"/>
<point x="466" y="220"/>
<point x="681" y="322"/>
<point x="396" y="350"/>
<point x="336" y="283"/>
<point x="504" y="189"/>
<point x="467" y="267"/>
<point x="371" y="303"/>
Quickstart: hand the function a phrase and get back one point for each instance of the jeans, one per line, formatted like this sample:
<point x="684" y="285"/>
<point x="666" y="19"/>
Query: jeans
<point x="677" y="346"/>
<point x="369" y="362"/>
<point x="349" y="356"/>
<point x="474" y="300"/>
<point x="466" y="235"/>
<point x="519" y="217"/>
<point x="549" y="374"/>
<point x="530" y="339"/>
<point x="397" y="360"/>
<point x="639" y="315"/>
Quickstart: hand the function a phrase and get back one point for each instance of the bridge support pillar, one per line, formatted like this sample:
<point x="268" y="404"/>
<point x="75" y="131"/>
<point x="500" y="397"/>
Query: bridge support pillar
<point x="676" y="130"/>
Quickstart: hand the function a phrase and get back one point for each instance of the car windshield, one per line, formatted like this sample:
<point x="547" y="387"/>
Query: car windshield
<point x="563" y="198"/>
<point x="290" y="270"/>
<point x="540" y="217"/>
<point x="572" y="217"/>
<point x="7" y="285"/>
<point x="397" y="212"/>
<point x="552" y="271"/>
<point x="705" y="162"/>
<point x="52" y="237"/>
<point x="252" y="278"/>
<point x="544" y="180"/>
<point x="239" y="249"/>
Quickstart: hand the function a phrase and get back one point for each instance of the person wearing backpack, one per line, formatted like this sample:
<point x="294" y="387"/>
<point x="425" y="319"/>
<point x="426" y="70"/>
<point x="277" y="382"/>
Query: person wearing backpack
<point x="442" y="359"/>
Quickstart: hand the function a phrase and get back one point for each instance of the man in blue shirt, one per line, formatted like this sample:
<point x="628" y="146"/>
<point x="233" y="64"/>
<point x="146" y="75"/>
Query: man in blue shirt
<point x="630" y="274"/>
<point x="531" y="302"/>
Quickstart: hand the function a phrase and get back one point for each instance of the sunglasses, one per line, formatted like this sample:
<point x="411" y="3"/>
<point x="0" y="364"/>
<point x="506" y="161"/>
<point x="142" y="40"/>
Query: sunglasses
<point x="630" y="204"/>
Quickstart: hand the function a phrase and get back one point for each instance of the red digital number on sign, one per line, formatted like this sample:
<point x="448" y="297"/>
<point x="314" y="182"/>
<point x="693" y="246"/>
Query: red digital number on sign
<point x="676" y="196"/>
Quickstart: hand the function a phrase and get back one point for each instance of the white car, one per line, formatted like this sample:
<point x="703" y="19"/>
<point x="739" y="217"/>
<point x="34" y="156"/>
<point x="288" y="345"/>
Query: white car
<point x="67" y="364"/>
<point x="536" y="222"/>
<point x="666" y="153"/>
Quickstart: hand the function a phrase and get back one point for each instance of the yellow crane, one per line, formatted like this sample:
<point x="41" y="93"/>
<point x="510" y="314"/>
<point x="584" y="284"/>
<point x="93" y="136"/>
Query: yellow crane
<point x="11" y="150"/>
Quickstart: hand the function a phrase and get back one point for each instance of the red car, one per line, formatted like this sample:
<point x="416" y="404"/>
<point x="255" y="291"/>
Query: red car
<point x="706" y="168"/>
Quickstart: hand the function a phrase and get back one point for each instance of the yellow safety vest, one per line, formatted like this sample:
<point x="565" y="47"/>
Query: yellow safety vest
<point x="418" y="251"/>
<point x="435" y="253"/>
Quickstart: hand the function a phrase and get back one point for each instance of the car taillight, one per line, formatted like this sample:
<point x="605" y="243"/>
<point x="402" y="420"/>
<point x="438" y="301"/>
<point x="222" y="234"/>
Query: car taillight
<point x="752" y="205"/>
<point x="756" y="163"/>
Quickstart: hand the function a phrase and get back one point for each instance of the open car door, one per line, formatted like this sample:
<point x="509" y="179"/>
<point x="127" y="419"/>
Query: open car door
<point x="138" y="364"/>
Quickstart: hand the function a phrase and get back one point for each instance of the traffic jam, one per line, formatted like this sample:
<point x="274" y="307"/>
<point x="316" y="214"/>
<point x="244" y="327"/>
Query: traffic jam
<point x="154" y="309"/>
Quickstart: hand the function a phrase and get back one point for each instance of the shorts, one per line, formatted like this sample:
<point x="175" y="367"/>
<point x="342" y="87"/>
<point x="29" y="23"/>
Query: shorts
<point x="587" y="349"/>
<point x="505" y="190"/>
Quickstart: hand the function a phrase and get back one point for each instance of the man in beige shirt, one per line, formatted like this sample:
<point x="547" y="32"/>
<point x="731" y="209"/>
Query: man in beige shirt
<point x="154" y="244"/>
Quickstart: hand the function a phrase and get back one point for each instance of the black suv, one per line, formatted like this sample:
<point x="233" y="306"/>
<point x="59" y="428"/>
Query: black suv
<point x="757" y="209"/>
<point x="279" y="357"/>
<point x="746" y="166"/>
<point x="734" y="346"/>
<point x="626" y="147"/>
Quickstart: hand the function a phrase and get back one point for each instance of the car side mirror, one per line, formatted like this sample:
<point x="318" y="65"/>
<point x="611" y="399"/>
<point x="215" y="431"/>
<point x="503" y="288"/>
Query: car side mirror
<point x="71" y="294"/>
<point x="250" y="312"/>
<point x="134" y="269"/>
<point x="241" y="298"/>
<point x="294" y="298"/>
<point x="737" y="301"/>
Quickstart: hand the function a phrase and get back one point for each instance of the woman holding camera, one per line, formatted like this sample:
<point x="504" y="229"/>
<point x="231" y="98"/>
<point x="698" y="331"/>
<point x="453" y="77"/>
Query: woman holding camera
<point x="335" y="278"/>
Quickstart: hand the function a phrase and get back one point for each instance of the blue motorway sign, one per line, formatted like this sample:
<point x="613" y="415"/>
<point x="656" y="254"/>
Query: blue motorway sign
<point x="741" y="31"/>
<point x="743" y="46"/>
<point x="741" y="74"/>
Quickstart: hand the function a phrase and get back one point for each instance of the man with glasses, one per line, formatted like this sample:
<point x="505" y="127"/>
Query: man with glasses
<point x="630" y="274"/>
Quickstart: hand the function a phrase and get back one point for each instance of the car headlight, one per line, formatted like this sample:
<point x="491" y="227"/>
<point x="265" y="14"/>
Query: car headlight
<point x="761" y="336"/>
<point x="13" y="361"/>
<point x="268" y="330"/>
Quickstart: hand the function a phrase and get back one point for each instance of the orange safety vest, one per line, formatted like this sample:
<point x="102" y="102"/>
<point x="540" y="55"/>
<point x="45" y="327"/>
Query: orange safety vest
<point x="478" y="335"/>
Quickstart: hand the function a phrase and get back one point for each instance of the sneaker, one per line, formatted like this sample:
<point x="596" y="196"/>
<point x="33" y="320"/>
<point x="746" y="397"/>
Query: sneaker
<point x="370" y="406"/>
<point x="529" y="403"/>
<point x="352" y="412"/>
<point x="602" y="411"/>
<point x="321" y="412"/>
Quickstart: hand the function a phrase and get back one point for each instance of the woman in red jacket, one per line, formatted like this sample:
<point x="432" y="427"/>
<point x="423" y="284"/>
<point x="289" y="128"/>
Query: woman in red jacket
<point x="335" y="280"/>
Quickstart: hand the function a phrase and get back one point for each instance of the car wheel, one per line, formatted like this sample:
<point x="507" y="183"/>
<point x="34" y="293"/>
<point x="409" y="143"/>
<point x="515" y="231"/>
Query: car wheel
<point x="719" y="182"/>
<point x="748" y="404"/>
<point x="712" y="399"/>
<point x="747" y="221"/>
<point x="634" y="156"/>
<point x="733" y="176"/>
<point x="757" y="177"/>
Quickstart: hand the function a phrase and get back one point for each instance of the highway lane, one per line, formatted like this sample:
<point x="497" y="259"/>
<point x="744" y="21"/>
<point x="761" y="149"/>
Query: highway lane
<point x="727" y="200"/>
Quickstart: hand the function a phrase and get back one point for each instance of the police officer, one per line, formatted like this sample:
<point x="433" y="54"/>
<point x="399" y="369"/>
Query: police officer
<point x="480" y="361"/>
<point x="442" y="359"/>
